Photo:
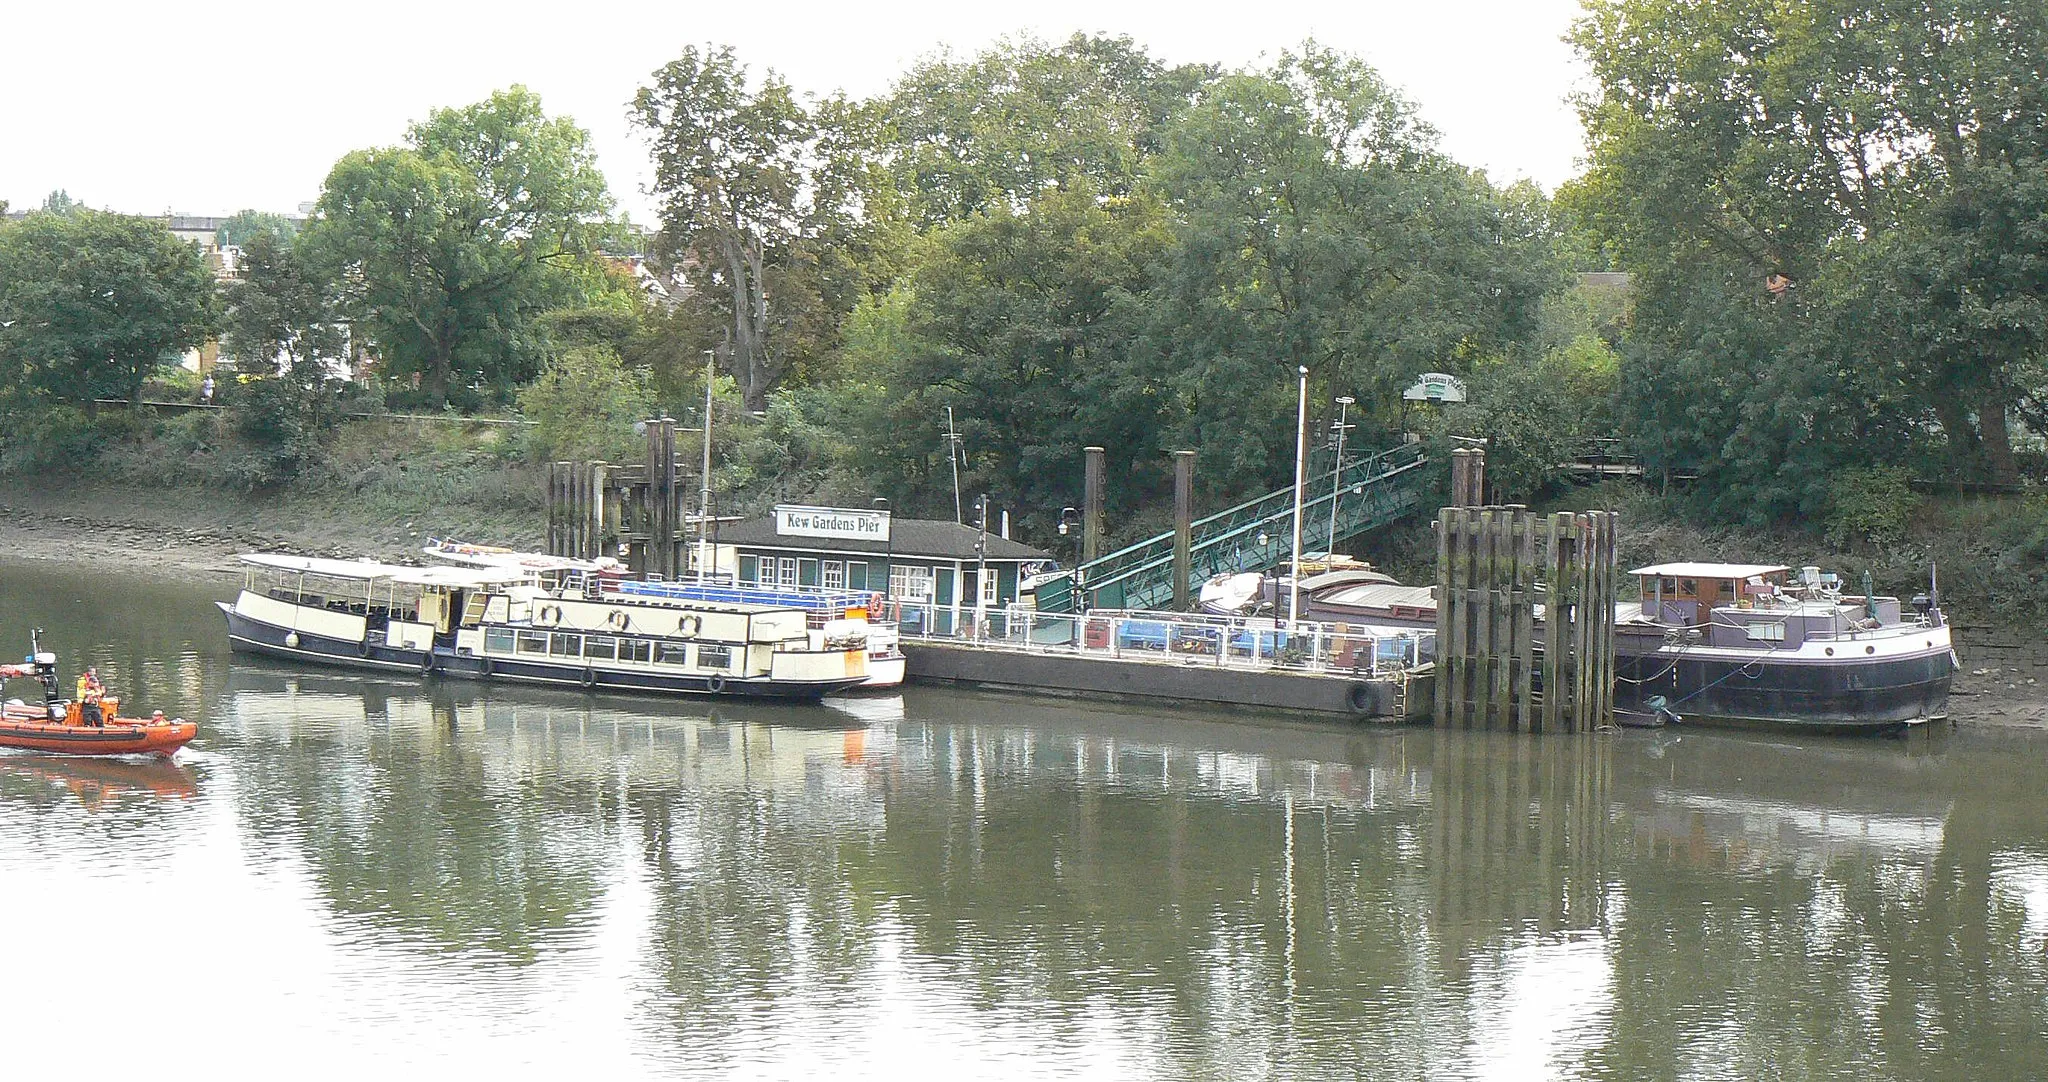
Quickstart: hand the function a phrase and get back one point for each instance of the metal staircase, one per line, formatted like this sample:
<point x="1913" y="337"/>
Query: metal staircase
<point x="1372" y="492"/>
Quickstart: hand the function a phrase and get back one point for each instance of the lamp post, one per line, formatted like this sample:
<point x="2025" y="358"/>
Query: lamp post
<point x="953" y="456"/>
<point x="704" y="498"/>
<point x="1300" y="462"/>
<point x="1337" y="478"/>
<point x="888" y="551"/>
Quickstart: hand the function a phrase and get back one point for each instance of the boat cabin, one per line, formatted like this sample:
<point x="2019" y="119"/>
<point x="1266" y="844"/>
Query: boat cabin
<point x="1686" y="594"/>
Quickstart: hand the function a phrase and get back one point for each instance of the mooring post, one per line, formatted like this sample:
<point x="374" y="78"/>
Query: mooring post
<point x="1183" y="526"/>
<point x="1093" y="463"/>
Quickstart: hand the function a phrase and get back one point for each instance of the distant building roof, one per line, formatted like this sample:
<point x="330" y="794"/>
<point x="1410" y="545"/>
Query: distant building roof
<point x="913" y="537"/>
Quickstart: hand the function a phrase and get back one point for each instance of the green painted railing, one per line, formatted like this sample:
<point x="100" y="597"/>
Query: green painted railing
<point x="1373" y="491"/>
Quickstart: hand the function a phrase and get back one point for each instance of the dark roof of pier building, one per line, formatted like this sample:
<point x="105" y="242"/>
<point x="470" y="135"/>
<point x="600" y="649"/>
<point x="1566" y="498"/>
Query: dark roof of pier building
<point x="912" y="537"/>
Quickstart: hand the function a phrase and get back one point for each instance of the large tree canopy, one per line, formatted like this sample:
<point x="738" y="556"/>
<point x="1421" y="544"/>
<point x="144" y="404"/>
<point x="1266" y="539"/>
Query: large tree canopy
<point x="451" y="246"/>
<point x="91" y="303"/>
<point x="1827" y="205"/>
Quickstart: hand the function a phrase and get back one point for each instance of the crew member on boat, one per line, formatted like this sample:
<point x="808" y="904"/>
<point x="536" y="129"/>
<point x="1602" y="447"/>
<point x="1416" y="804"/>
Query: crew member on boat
<point x="90" y="691"/>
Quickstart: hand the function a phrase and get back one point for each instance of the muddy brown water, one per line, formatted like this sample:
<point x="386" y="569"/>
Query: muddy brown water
<point x="356" y="874"/>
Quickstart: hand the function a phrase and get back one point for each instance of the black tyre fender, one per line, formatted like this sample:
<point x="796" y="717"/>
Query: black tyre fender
<point x="715" y="685"/>
<point x="1360" y="698"/>
<point x="483" y="667"/>
<point x="427" y="666"/>
<point x="363" y="647"/>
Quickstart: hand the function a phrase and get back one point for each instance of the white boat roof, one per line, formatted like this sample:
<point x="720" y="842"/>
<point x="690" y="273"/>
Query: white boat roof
<point x="490" y="556"/>
<point x="373" y="570"/>
<point x="1709" y="571"/>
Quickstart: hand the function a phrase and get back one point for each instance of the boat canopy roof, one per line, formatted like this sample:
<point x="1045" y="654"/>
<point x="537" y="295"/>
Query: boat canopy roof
<point x="1709" y="570"/>
<point x="373" y="571"/>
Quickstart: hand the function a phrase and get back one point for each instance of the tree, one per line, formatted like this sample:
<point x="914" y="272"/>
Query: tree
<point x="283" y="312"/>
<point x="583" y="406"/>
<point x="451" y="246"/>
<point x="245" y="224"/>
<point x="1827" y="149"/>
<point x="1022" y="118"/>
<point x="770" y="210"/>
<point x="1320" y="228"/>
<point x="91" y="303"/>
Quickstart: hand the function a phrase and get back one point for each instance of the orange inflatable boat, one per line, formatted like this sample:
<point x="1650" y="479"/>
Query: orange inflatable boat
<point x="72" y="728"/>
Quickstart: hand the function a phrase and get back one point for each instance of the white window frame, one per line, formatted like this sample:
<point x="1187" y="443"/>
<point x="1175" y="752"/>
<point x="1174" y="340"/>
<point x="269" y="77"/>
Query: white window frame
<point x="785" y="571"/>
<point x="989" y="582"/>
<point x="911" y="582"/>
<point x="832" y="575"/>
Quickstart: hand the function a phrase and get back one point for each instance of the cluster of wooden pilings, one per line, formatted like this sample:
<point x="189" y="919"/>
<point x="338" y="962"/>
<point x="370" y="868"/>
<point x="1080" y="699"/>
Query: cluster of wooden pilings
<point x="1497" y="666"/>
<point x="599" y="508"/>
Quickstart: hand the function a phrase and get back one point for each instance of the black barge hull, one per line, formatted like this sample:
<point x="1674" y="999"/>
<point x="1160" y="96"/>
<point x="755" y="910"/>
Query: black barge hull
<point x="246" y="636"/>
<point x="1846" y="697"/>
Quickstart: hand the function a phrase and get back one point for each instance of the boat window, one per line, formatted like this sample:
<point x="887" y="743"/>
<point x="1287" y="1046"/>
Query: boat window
<point x="565" y="645"/>
<point x="1689" y="588"/>
<point x="603" y="646"/>
<point x="714" y="657"/>
<point x="533" y="642"/>
<point x="635" y="650"/>
<point x="1771" y="632"/>
<point x="498" y="640"/>
<point x="672" y="653"/>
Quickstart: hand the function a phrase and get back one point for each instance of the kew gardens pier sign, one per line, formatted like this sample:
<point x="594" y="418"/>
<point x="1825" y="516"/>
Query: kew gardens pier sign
<point x="832" y="522"/>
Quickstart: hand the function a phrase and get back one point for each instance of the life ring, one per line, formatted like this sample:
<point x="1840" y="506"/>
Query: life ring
<point x="483" y="667"/>
<point x="688" y="626"/>
<point x="1360" y="698"/>
<point x="618" y="619"/>
<point x="715" y="685"/>
<point x="548" y="614"/>
<point x="589" y="679"/>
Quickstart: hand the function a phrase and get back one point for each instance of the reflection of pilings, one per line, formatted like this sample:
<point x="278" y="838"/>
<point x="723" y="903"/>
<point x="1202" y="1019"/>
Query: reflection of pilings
<point x="1519" y="833"/>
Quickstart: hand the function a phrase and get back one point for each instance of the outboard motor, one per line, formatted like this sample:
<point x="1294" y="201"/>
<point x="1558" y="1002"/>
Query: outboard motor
<point x="1661" y="707"/>
<point x="46" y="674"/>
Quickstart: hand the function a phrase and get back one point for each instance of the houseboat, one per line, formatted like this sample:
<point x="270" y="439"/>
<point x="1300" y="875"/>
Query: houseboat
<point x="500" y="623"/>
<point x="608" y="579"/>
<point x="1743" y="643"/>
<point x="1735" y="644"/>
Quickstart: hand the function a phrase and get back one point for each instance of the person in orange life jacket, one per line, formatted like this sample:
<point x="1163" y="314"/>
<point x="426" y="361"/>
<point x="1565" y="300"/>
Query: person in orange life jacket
<point x="89" y="692"/>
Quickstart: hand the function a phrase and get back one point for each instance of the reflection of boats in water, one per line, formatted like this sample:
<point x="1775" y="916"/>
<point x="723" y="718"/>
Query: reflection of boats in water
<point x="1727" y="799"/>
<point x="800" y="751"/>
<point x="94" y="780"/>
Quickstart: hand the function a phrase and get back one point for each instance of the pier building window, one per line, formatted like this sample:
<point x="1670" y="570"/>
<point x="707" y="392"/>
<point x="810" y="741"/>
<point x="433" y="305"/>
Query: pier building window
<point x="498" y="640"/>
<point x="672" y="653"/>
<point x="989" y="582"/>
<point x="565" y="645"/>
<point x="635" y="650"/>
<point x="532" y="642"/>
<point x="857" y="575"/>
<point x="909" y="583"/>
<point x="601" y="646"/>
<point x="835" y="575"/>
<point x="714" y="657"/>
<point x="785" y="569"/>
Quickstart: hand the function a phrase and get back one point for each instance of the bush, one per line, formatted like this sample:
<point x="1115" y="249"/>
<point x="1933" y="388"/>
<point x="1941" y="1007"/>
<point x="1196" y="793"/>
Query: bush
<point x="1871" y="506"/>
<point x="583" y="407"/>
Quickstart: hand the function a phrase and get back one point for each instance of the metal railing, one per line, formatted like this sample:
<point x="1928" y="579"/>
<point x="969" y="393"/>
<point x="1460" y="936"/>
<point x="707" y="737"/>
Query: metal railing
<point x="1238" y="642"/>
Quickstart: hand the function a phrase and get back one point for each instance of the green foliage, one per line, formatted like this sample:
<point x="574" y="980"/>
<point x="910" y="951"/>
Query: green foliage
<point x="284" y="310"/>
<point x="1536" y="416"/>
<point x="1873" y="505"/>
<point x="91" y="302"/>
<point x="774" y="214"/>
<point x="244" y="225"/>
<point x="455" y="244"/>
<point x="282" y="419"/>
<point x="60" y="202"/>
<point x="1877" y="164"/>
<point x="584" y="405"/>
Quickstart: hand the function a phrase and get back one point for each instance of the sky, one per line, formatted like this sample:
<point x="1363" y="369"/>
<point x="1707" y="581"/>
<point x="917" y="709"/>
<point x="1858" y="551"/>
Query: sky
<point x="211" y="106"/>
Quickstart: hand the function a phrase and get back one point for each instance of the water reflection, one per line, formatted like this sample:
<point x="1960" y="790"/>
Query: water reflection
<point x="524" y="880"/>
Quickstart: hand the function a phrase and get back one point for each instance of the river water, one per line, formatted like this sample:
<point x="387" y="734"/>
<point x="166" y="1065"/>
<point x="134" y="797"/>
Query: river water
<point x="349" y="874"/>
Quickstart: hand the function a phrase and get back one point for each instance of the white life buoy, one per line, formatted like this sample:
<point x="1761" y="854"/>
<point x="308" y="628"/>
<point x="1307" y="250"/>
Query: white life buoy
<point x="548" y="614"/>
<point x="688" y="626"/>
<point x="618" y="619"/>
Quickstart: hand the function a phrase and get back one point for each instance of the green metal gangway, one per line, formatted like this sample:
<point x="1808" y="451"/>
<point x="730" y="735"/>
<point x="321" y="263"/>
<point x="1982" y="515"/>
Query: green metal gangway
<point x="1373" y="491"/>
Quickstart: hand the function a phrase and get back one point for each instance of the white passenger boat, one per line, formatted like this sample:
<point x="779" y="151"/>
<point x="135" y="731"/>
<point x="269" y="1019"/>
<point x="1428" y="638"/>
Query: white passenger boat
<point x="605" y="578"/>
<point x="500" y="623"/>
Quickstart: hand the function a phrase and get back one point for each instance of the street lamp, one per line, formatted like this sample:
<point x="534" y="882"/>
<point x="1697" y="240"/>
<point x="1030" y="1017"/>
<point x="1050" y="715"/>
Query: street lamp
<point x="1337" y="478"/>
<point x="888" y="550"/>
<point x="704" y="500"/>
<point x="1300" y="463"/>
